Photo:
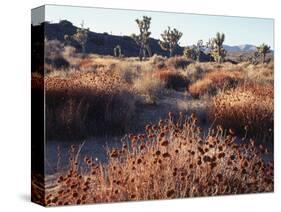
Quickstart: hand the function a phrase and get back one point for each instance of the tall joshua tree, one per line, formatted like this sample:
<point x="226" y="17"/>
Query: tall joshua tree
<point x="170" y="39"/>
<point x="81" y="36"/>
<point x="216" y="47"/>
<point x="262" y="50"/>
<point x="189" y="53"/>
<point x="198" y="48"/>
<point x="142" y="39"/>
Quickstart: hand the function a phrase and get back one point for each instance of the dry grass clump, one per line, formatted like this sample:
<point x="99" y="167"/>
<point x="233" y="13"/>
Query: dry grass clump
<point x="195" y="72"/>
<point x="158" y="61"/>
<point x="178" y="62"/>
<point x="247" y="109"/>
<point x="215" y="81"/>
<point x="129" y="71"/>
<point x="261" y="73"/>
<point x="80" y="104"/>
<point x="172" y="159"/>
<point x="53" y="55"/>
<point x="172" y="78"/>
<point x="149" y="87"/>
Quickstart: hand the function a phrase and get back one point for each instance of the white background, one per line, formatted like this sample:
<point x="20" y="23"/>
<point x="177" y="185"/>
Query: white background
<point x="15" y="104"/>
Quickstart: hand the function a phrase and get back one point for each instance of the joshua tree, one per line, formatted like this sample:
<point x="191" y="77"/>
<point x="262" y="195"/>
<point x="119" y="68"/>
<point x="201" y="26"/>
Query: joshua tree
<point x="81" y="36"/>
<point x="189" y="52"/>
<point x="198" y="48"/>
<point x="142" y="39"/>
<point x="254" y="59"/>
<point x="170" y="40"/>
<point x="216" y="47"/>
<point x="117" y="51"/>
<point x="262" y="50"/>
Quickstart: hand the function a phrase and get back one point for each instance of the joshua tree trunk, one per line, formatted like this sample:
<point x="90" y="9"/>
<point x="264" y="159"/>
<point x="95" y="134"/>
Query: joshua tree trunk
<point x="263" y="58"/>
<point x="198" y="56"/>
<point x="144" y="53"/>
<point x="140" y="54"/>
<point x="148" y="51"/>
<point x="171" y="52"/>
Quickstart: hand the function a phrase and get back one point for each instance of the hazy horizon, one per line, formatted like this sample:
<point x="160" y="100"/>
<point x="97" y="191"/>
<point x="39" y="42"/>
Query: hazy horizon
<point x="238" y="30"/>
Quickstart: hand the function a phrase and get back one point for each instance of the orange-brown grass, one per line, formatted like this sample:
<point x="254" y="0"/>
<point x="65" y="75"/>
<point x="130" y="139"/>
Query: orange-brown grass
<point x="84" y="103"/>
<point x="178" y="62"/>
<point x="247" y="110"/>
<point x="172" y="159"/>
<point x="215" y="81"/>
<point x="172" y="78"/>
<point x="86" y="63"/>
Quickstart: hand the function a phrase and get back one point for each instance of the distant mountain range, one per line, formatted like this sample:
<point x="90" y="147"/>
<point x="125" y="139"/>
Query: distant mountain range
<point x="103" y="43"/>
<point x="240" y="48"/>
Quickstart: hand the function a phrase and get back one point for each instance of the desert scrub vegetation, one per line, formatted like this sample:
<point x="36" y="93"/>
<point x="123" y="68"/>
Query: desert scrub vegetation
<point x="172" y="159"/>
<point x="178" y="62"/>
<point x="215" y="81"/>
<point x="86" y="103"/>
<point x="261" y="73"/>
<point x="173" y="79"/>
<point x="246" y="110"/>
<point x="54" y="55"/>
<point x="149" y="87"/>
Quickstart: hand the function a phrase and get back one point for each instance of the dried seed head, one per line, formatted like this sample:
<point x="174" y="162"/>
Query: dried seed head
<point x="165" y="143"/>
<point x="166" y="155"/>
<point x="170" y="193"/>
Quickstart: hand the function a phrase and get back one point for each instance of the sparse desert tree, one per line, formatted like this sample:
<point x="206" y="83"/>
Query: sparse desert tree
<point x="81" y="36"/>
<point x="263" y="49"/>
<point x="216" y="47"/>
<point x="198" y="48"/>
<point x="142" y="39"/>
<point x="255" y="58"/>
<point x="117" y="51"/>
<point x="170" y="39"/>
<point x="241" y="58"/>
<point x="189" y="53"/>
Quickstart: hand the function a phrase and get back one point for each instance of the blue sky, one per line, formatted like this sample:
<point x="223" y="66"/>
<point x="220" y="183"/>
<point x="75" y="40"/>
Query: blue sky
<point x="238" y="30"/>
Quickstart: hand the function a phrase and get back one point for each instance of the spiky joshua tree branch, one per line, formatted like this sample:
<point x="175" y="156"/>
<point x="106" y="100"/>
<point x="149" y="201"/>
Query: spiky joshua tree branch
<point x="262" y="50"/>
<point x="142" y="39"/>
<point x="216" y="47"/>
<point x="170" y="39"/>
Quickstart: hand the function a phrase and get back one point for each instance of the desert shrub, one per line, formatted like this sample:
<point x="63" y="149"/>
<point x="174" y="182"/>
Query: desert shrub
<point x="69" y="52"/>
<point x="53" y="48"/>
<point x="247" y="110"/>
<point x="172" y="159"/>
<point x="57" y="63"/>
<point x="128" y="71"/>
<point x="54" y="55"/>
<point x="158" y="61"/>
<point x="196" y="71"/>
<point x="215" y="81"/>
<point x="178" y="62"/>
<point x="149" y="87"/>
<point x="173" y="79"/>
<point x="261" y="73"/>
<point x="82" y="104"/>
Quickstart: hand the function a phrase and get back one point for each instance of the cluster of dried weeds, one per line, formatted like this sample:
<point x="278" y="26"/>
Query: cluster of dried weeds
<point x="248" y="110"/>
<point x="215" y="81"/>
<point x="172" y="159"/>
<point x="86" y="103"/>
